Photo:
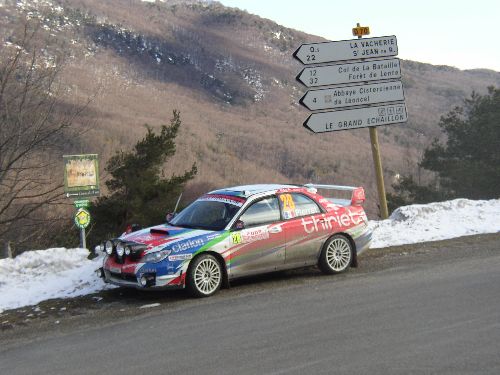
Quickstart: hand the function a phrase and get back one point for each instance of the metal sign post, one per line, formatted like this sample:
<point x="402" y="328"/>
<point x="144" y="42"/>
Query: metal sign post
<point x="365" y="89"/>
<point x="377" y="161"/>
<point x="83" y="239"/>
<point x="82" y="221"/>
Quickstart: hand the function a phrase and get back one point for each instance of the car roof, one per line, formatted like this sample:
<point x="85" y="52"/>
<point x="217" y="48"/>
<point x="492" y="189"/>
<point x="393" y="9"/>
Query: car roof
<point x="249" y="190"/>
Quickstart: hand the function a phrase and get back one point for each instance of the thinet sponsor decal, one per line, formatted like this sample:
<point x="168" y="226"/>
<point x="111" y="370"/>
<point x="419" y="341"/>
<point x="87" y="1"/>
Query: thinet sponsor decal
<point x="319" y="223"/>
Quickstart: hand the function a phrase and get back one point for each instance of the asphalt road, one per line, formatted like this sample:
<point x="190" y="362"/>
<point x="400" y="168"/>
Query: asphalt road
<point x="418" y="310"/>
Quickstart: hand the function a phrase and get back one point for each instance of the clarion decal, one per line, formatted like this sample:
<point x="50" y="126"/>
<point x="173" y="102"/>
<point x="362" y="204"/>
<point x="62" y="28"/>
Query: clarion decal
<point x="323" y="222"/>
<point x="187" y="244"/>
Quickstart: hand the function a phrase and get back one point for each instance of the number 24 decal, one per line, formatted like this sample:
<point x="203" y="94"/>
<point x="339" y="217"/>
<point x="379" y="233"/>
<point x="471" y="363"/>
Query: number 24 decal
<point x="288" y="203"/>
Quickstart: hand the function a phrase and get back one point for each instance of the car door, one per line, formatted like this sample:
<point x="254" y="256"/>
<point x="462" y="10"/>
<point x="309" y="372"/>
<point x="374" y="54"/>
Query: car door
<point x="260" y="245"/>
<point x="304" y="229"/>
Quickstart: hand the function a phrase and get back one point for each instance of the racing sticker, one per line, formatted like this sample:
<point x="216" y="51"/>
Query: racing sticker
<point x="236" y="238"/>
<point x="176" y="257"/>
<point x="288" y="206"/>
<point x="250" y="235"/>
<point x="187" y="244"/>
<point x="236" y="201"/>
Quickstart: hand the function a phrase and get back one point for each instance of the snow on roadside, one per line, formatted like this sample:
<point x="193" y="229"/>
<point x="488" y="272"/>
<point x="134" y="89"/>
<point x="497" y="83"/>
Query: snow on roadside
<point x="437" y="221"/>
<point x="36" y="276"/>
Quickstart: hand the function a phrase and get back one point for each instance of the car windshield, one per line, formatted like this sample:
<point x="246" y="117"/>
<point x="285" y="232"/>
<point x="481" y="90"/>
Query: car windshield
<point x="211" y="212"/>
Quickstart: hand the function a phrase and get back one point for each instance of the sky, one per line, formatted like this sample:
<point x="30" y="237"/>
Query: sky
<point x="441" y="32"/>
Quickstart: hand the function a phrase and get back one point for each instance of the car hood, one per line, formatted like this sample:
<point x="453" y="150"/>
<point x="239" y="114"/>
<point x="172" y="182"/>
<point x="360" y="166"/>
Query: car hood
<point x="170" y="237"/>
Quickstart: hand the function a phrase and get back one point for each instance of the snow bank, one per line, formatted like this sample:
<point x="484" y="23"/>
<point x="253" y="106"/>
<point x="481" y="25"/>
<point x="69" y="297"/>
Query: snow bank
<point x="437" y="221"/>
<point x="35" y="276"/>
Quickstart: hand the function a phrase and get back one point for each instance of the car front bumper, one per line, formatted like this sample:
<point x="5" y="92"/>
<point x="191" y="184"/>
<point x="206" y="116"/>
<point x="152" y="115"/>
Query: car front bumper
<point x="134" y="281"/>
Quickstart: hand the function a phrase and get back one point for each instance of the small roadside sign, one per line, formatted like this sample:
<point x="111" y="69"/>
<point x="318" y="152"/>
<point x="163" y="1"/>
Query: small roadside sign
<point x="81" y="175"/>
<point x="360" y="30"/>
<point x="317" y="53"/>
<point x="82" y="203"/>
<point x="374" y="70"/>
<point x="82" y="218"/>
<point x="353" y="95"/>
<point x="356" y="118"/>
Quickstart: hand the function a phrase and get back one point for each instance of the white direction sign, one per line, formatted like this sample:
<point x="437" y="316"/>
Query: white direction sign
<point x="375" y="70"/>
<point x="356" y="118"/>
<point x="354" y="95"/>
<point x="317" y="53"/>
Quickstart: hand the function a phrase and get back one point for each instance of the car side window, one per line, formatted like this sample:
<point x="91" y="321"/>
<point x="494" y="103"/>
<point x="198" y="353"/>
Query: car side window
<point x="264" y="211"/>
<point x="297" y="205"/>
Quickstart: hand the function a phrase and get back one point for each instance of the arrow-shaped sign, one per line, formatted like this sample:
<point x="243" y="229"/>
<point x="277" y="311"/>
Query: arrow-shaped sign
<point x="354" y="95"/>
<point x="356" y="118"/>
<point x="317" y="53"/>
<point x="375" y="70"/>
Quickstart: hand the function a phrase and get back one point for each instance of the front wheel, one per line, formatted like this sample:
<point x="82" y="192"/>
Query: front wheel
<point x="204" y="276"/>
<point x="336" y="256"/>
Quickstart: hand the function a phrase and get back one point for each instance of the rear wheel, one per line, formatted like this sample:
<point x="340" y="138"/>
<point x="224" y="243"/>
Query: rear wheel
<point x="204" y="276"/>
<point x="336" y="256"/>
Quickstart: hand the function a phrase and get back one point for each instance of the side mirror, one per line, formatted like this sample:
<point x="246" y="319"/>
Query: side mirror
<point x="239" y="225"/>
<point x="170" y="216"/>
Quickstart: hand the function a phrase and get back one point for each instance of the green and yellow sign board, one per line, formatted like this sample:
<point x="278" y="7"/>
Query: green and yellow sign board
<point x="81" y="175"/>
<point x="81" y="203"/>
<point x="82" y="218"/>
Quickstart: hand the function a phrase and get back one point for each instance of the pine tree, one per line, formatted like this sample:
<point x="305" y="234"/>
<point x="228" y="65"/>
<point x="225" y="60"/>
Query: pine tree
<point x="138" y="193"/>
<point x="467" y="164"/>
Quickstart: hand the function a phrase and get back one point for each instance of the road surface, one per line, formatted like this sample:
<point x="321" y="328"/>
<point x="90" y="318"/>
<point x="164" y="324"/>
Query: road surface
<point x="421" y="309"/>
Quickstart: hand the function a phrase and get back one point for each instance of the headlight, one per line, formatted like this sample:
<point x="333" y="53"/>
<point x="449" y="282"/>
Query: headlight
<point x="108" y="246"/>
<point x="99" y="249"/>
<point x="128" y="250"/>
<point x="120" y="249"/>
<point x="156" y="256"/>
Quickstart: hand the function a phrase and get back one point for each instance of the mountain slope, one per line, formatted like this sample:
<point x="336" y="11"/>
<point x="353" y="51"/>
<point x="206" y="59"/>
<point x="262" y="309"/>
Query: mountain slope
<point x="232" y="76"/>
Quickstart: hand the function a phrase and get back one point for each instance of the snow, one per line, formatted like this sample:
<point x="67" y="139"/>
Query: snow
<point x="35" y="276"/>
<point x="39" y="275"/>
<point x="437" y="221"/>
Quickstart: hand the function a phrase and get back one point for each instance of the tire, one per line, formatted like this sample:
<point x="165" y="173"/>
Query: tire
<point x="336" y="256"/>
<point x="204" y="276"/>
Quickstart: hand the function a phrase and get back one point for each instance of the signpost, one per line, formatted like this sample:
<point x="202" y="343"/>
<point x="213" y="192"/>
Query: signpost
<point x="82" y="221"/>
<point x="360" y="30"/>
<point x="366" y="92"/>
<point x="375" y="70"/>
<point x="81" y="175"/>
<point x="326" y="52"/>
<point x="81" y="180"/>
<point x="347" y="96"/>
<point x="356" y="118"/>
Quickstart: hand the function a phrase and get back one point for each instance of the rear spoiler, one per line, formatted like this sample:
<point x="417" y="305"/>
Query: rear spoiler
<point x="357" y="195"/>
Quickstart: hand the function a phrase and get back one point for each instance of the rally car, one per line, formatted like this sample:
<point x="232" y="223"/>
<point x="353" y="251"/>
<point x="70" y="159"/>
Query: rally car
<point x="241" y="231"/>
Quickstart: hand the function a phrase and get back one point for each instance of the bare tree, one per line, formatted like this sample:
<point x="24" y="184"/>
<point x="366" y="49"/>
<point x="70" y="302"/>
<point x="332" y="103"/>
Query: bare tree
<point x="34" y="122"/>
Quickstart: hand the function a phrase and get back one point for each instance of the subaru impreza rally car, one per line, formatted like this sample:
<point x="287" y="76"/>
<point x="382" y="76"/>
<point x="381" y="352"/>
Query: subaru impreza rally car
<point x="241" y="231"/>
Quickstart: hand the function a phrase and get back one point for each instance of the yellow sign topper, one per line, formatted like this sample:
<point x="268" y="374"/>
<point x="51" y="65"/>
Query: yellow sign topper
<point x="360" y="30"/>
<point x="82" y="218"/>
